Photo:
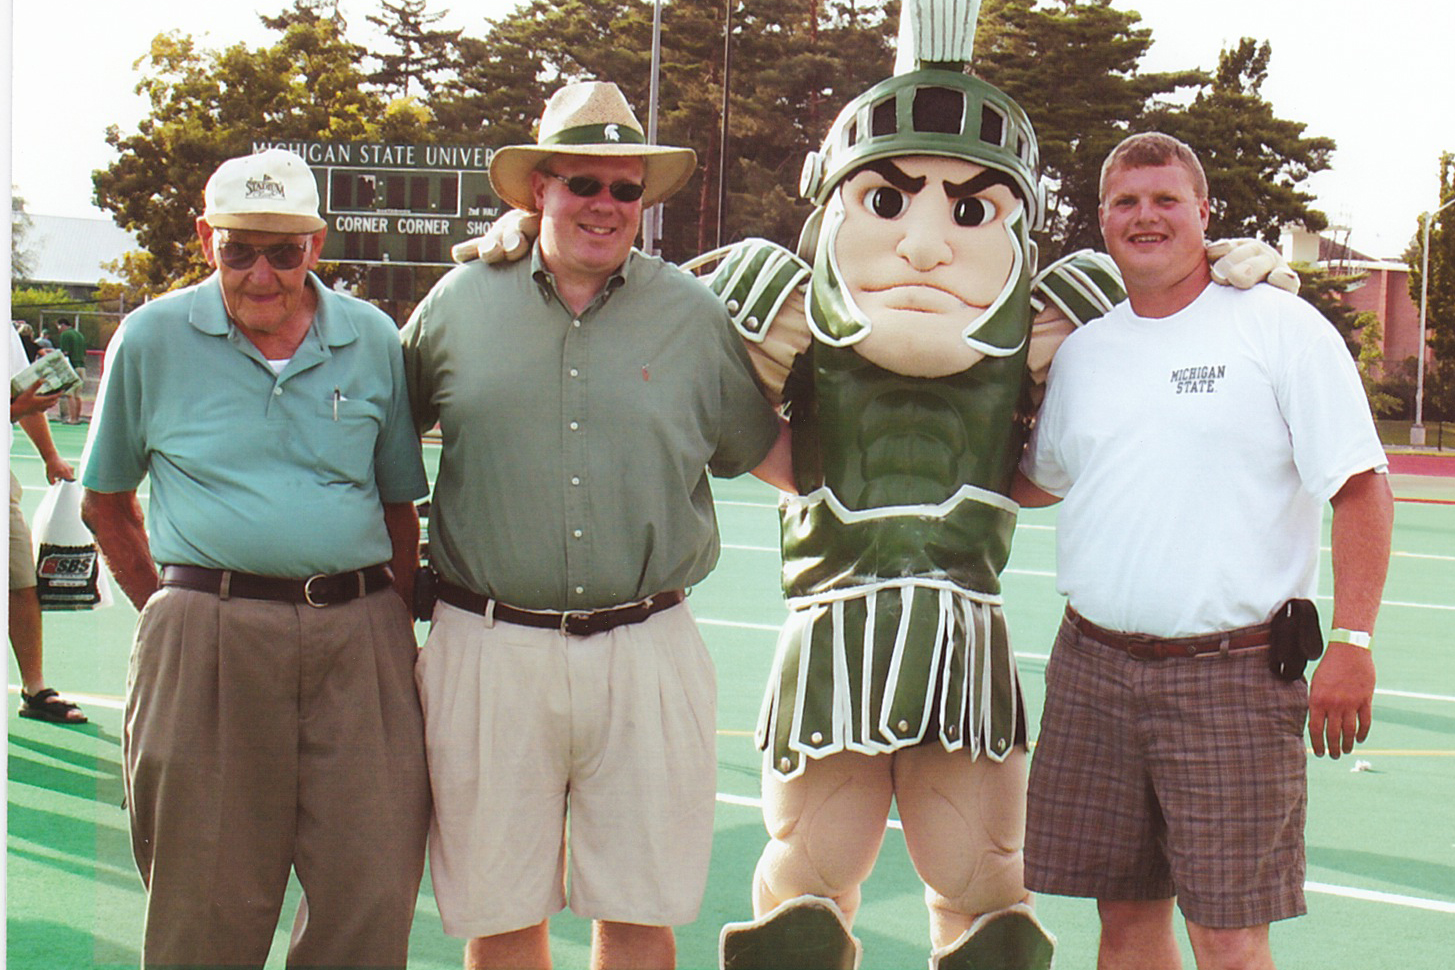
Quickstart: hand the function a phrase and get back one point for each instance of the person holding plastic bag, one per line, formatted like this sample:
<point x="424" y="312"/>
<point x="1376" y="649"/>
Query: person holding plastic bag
<point x="37" y="701"/>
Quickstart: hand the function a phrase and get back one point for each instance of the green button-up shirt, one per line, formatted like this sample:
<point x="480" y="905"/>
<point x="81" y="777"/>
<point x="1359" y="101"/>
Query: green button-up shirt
<point x="577" y="447"/>
<point x="276" y="474"/>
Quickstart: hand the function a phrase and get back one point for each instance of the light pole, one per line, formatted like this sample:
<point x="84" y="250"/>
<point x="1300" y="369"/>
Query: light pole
<point x="1417" y="430"/>
<point x="652" y="218"/>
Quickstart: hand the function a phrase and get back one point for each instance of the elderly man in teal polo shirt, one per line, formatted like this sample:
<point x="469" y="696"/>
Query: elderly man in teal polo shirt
<point x="271" y="717"/>
<point x="584" y="394"/>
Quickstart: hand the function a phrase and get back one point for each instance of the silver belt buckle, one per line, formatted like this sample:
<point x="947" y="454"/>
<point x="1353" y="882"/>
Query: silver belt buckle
<point x="308" y="591"/>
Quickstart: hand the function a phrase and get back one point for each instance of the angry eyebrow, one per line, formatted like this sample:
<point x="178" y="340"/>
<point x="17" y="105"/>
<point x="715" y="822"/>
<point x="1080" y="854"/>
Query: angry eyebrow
<point x="894" y="175"/>
<point x="981" y="182"/>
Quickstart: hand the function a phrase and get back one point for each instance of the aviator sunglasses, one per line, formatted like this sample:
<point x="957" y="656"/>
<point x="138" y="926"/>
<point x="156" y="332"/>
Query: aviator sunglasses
<point x="241" y="256"/>
<point x="586" y="187"/>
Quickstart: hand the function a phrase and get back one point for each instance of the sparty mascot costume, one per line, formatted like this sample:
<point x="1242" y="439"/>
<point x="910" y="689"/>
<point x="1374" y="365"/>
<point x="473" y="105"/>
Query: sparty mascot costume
<point x="901" y="336"/>
<point x="905" y="339"/>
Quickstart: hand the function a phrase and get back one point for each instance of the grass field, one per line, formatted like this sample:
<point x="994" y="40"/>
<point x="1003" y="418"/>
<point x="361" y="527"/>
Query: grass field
<point x="1381" y="843"/>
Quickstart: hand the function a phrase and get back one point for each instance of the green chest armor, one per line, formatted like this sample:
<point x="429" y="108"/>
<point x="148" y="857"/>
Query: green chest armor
<point x="892" y="554"/>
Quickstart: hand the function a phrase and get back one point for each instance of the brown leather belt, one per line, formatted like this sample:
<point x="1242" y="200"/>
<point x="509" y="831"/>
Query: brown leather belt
<point x="1141" y="646"/>
<point x="318" y="590"/>
<point x="575" y="623"/>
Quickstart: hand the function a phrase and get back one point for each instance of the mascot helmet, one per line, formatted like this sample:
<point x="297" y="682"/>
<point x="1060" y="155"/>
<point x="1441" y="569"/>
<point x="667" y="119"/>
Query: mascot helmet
<point x="936" y="110"/>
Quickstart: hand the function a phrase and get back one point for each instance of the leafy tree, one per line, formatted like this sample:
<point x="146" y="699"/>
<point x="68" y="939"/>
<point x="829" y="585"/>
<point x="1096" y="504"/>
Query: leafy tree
<point x="1324" y="289"/>
<point x="1371" y="365"/>
<point x="1255" y="162"/>
<point x="1037" y="54"/>
<point x="421" y="56"/>
<point x="793" y="66"/>
<point x="20" y="226"/>
<point x="1440" y="308"/>
<point x="27" y="302"/>
<point x="208" y="106"/>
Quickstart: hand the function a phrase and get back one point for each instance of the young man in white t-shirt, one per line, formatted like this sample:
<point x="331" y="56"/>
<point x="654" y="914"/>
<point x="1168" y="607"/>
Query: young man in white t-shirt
<point x="1195" y="434"/>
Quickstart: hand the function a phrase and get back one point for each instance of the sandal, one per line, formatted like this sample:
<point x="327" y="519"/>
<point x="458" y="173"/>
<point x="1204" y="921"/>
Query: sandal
<point x="47" y="705"/>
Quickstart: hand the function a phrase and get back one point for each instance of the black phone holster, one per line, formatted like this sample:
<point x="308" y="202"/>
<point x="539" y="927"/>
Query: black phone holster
<point x="425" y="593"/>
<point x="1295" y="639"/>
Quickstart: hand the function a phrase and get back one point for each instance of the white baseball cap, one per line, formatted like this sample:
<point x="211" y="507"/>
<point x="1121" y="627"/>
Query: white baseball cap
<point x="271" y="191"/>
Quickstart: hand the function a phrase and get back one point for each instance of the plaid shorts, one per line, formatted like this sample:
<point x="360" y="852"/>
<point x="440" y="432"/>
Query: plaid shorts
<point x="1181" y="777"/>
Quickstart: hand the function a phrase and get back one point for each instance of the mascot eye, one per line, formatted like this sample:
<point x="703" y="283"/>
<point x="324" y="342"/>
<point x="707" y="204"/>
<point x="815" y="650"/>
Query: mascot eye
<point x="974" y="211"/>
<point x="885" y="202"/>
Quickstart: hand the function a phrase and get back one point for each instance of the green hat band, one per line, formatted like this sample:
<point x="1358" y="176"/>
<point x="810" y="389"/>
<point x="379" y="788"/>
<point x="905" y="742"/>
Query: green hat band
<point x="612" y="134"/>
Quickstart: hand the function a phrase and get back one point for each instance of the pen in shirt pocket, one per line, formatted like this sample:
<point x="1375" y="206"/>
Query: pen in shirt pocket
<point x="338" y="395"/>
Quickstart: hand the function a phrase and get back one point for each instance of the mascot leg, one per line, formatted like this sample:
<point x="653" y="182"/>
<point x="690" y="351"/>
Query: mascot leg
<point x="825" y="828"/>
<point x="964" y="825"/>
<point x="807" y="933"/>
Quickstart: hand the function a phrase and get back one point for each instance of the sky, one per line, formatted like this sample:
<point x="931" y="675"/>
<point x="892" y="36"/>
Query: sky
<point x="1375" y="77"/>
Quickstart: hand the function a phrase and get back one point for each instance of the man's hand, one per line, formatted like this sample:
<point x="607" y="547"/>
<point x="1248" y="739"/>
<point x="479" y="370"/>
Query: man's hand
<point x="508" y="239"/>
<point x="29" y="402"/>
<point x="1246" y="262"/>
<point x="57" y="469"/>
<point x="1340" y="699"/>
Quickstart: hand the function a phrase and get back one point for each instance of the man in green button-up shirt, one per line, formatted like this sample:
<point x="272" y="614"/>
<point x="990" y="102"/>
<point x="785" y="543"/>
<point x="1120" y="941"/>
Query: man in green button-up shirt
<point x="583" y="396"/>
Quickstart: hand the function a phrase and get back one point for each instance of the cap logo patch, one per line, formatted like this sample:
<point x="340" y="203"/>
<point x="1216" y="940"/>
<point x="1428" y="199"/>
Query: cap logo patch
<point x="613" y="132"/>
<point x="266" y="187"/>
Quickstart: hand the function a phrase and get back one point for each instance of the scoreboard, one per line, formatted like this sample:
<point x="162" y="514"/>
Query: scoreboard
<point x="398" y="205"/>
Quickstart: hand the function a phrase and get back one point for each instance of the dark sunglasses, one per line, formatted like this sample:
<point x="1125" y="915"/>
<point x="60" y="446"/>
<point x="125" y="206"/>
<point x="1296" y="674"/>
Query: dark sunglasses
<point x="240" y="256"/>
<point x="586" y="187"/>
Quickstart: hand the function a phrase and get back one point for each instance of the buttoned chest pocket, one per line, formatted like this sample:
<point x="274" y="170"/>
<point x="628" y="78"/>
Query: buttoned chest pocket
<point x="343" y="440"/>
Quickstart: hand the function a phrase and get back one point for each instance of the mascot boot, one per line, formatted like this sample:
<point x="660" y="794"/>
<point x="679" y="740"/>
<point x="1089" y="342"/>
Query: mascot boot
<point x="805" y="933"/>
<point x="1008" y="939"/>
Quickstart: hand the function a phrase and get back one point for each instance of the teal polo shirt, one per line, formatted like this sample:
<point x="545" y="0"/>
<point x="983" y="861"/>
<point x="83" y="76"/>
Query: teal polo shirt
<point x="577" y="448"/>
<point x="275" y="474"/>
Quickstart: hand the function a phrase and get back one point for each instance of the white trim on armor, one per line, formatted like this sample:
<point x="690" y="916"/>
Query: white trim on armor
<point x="843" y="710"/>
<point x="843" y="513"/>
<point x="865" y="590"/>
<point x="1079" y="280"/>
<point x="891" y="680"/>
<point x="1017" y="250"/>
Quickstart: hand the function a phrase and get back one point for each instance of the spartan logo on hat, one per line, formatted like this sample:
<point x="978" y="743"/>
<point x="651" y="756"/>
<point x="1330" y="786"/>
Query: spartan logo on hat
<point x="613" y="132"/>
<point x="266" y="187"/>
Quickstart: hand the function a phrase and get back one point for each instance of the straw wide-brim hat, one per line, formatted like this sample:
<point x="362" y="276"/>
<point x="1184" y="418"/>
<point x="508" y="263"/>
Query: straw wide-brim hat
<point x="590" y="118"/>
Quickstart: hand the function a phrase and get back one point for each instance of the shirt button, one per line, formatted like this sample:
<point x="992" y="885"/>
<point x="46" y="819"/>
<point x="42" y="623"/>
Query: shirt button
<point x="575" y="426"/>
<point x="575" y="372"/>
<point x="277" y="392"/>
<point x="576" y="323"/>
<point x="784" y="764"/>
<point x="903" y="726"/>
<point x="577" y="533"/>
<point x="575" y="480"/>
<point x="816" y="737"/>
<point x="580" y="589"/>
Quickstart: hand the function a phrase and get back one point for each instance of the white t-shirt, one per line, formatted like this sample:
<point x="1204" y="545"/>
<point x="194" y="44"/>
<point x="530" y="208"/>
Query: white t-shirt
<point x="1195" y="453"/>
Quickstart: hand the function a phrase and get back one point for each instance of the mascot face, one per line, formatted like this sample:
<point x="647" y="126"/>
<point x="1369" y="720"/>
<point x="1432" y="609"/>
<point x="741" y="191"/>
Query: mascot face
<point x="925" y="247"/>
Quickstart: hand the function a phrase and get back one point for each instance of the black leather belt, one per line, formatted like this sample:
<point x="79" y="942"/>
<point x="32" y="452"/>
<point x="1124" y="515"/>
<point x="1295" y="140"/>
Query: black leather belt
<point x="575" y="623"/>
<point x="1141" y="646"/>
<point x="318" y="590"/>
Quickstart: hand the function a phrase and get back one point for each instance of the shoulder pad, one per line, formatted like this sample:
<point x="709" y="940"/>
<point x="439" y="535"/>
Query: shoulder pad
<point x="752" y="278"/>
<point x="1084" y="285"/>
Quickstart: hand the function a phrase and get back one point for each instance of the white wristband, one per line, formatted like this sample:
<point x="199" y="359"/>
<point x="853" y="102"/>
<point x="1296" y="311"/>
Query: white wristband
<point x="1356" y="637"/>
